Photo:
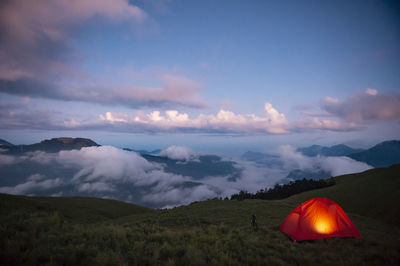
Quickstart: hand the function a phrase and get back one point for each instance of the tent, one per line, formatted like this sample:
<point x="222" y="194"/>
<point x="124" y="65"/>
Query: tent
<point x="318" y="218"/>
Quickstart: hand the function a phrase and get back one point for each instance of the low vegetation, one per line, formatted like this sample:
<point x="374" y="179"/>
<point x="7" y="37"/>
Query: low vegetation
<point x="285" y="190"/>
<point x="54" y="231"/>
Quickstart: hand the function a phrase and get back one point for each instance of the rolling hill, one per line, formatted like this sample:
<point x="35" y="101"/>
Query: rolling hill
<point x="83" y="231"/>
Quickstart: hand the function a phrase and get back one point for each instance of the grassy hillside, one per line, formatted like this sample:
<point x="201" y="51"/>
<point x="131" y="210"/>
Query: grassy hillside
<point x="77" y="209"/>
<point x="374" y="193"/>
<point x="86" y="231"/>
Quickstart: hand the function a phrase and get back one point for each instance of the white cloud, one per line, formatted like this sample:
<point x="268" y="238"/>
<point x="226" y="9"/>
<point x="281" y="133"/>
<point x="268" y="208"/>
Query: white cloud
<point x="7" y="159"/>
<point x="334" y="165"/>
<point x="370" y="91"/>
<point x="331" y="100"/>
<point x="317" y="123"/>
<point x="106" y="163"/>
<point x="170" y="196"/>
<point x="102" y="170"/>
<point x="34" y="183"/>
<point x="95" y="187"/>
<point x="272" y="122"/>
<point x="177" y="153"/>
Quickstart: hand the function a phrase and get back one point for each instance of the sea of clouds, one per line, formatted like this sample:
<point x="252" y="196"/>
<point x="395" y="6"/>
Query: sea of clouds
<point x="110" y="172"/>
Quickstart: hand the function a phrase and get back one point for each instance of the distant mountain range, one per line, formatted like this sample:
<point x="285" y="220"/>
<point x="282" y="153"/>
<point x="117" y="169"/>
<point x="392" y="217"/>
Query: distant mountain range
<point x="48" y="145"/>
<point x="383" y="154"/>
<point x="32" y="174"/>
<point x="5" y="143"/>
<point x="263" y="159"/>
<point x="21" y="171"/>
<point x="336" y="150"/>
<point x="153" y="152"/>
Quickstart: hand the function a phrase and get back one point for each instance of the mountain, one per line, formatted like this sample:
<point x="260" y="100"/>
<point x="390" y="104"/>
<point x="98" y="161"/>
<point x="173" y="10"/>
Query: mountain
<point x="52" y="145"/>
<point x="383" y="154"/>
<point x="203" y="166"/>
<point x="336" y="150"/>
<point x="5" y="143"/>
<point x="298" y="174"/>
<point x="84" y="231"/>
<point x="262" y="159"/>
<point x="153" y="152"/>
<point x="46" y="173"/>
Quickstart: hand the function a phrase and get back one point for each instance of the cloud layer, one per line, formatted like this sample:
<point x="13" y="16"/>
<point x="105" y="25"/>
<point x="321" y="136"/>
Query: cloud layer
<point x="38" y="57"/>
<point x="353" y="113"/>
<point x="114" y="173"/>
<point x="334" y="165"/>
<point x="368" y="106"/>
<point x="272" y="122"/>
<point x="35" y="34"/>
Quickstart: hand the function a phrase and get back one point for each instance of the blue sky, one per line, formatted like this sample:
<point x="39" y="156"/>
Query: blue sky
<point x="101" y="69"/>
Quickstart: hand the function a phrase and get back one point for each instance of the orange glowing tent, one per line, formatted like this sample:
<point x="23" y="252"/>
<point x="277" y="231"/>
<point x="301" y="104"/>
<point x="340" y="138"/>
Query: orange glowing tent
<point x="318" y="218"/>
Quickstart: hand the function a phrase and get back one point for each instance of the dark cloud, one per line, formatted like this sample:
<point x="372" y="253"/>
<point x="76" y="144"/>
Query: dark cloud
<point x="38" y="58"/>
<point x="365" y="107"/>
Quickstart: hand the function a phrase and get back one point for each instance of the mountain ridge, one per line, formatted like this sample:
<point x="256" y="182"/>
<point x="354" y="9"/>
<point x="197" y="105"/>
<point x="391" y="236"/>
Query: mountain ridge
<point x="383" y="154"/>
<point x="52" y="145"/>
<point x="335" y="150"/>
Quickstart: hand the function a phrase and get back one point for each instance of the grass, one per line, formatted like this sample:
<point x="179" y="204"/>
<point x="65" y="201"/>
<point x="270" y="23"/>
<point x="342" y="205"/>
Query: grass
<point x="84" y="231"/>
<point x="373" y="193"/>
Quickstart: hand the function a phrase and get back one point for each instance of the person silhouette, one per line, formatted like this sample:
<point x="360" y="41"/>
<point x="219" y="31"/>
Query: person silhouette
<point x="254" y="222"/>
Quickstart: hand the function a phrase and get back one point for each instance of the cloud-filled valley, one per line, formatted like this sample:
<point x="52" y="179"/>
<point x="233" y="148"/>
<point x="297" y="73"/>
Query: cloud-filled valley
<point x="174" y="177"/>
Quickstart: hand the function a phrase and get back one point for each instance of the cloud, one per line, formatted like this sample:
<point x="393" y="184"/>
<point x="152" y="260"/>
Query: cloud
<point x="177" y="153"/>
<point x="106" y="163"/>
<point x="272" y="122"/>
<point x="114" y="173"/>
<point x="317" y="123"/>
<point x="107" y="171"/>
<point x="95" y="186"/>
<point x="169" y="197"/>
<point x="38" y="57"/>
<point x="351" y="114"/>
<point x="24" y="116"/>
<point x="364" y="107"/>
<point x="7" y="159"/>
<point x="334" y="165"/>
<point x="34" y="183"/>
<point x="35" y="34"/>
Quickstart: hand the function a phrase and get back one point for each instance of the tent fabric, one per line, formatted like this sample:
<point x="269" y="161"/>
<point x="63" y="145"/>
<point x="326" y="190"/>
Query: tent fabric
<point x="318" y="218"/>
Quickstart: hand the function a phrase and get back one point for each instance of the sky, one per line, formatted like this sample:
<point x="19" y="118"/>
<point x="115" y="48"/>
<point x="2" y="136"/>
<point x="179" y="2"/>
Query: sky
<point x="209" y="75"/>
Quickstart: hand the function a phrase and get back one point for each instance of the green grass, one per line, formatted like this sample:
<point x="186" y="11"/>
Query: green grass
<point x="374" y="193"/>
<point x="78" y="209"/>
<point x="84" y="231"/>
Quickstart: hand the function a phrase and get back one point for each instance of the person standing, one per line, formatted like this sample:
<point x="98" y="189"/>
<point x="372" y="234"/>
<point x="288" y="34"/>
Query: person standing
<point x="254" y="222"/>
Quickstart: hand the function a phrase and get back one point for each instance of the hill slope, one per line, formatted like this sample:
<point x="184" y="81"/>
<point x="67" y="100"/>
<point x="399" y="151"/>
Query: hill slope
<point x="383" y="154"/>
<point x="215" y="232"/>
<point x="373" y="193"/>
<point x="5" y="143"/>
<point x="77" y="209"/>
